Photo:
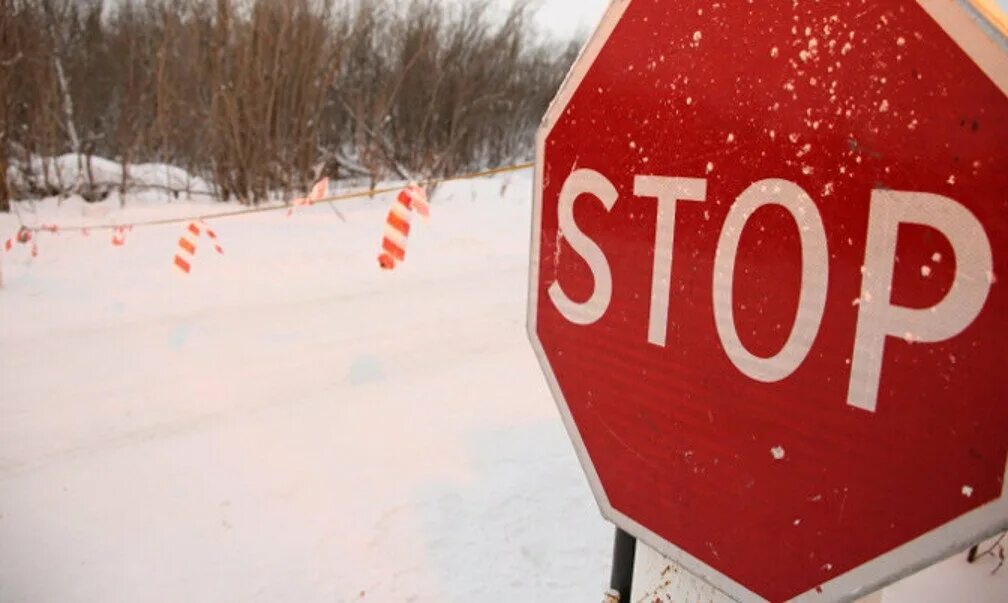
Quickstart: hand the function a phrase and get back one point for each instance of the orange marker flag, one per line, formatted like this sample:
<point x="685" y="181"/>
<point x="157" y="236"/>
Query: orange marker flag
<point x="187" y="244"/>
<point x="397" y="224"/>
<point x="318" y="192"/>
<point x="213" y="238"/>
<point x="23" y="235"/>
<point x="119" y="236"/>
<point x="187" y="247"/>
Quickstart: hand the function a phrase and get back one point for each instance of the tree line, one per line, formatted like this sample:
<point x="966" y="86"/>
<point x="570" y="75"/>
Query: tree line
<point x="258" y="96"/>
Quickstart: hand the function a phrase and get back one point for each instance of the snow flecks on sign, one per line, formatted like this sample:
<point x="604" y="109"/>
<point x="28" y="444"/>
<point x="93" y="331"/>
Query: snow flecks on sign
<point x="925" y="271"/>
<point x="951" y="179"/>
<point x="710" y="166"/>
<point x="883" y="106"/>
<point x="936" y="257"/>
<point x="730" y="138"/>
<point x="967" y="491"/>
<point x="774" y="52"/>
<point x="777" y="452"/>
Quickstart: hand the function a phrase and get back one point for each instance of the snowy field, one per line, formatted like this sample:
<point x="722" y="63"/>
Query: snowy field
<point x="290" y="423"/>
<point x="287" y="423"/>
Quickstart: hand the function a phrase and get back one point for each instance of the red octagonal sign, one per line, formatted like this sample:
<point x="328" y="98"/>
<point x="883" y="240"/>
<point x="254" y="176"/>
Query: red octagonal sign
<point x="764" y="284"/>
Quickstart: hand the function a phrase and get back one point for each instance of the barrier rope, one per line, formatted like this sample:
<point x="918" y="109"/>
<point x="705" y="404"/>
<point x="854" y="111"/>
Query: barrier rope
<point x="262" y="209"/>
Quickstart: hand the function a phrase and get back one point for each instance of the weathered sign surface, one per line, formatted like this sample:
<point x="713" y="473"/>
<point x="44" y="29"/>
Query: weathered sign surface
<point x="765" y="288"/>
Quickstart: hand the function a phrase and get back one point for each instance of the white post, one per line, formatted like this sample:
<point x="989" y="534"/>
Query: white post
<point x="658" y="578"/>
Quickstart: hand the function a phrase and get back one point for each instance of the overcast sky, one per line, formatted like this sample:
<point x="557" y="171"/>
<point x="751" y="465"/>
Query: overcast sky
<point x="565" y="17"/>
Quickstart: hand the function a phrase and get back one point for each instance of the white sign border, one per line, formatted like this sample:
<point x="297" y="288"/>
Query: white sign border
<point x="955" y="536"/>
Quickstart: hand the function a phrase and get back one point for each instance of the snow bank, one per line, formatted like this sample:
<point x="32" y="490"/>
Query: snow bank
<point x="149" y="182"/>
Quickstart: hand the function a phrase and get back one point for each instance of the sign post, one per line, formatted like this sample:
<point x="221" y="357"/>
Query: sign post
<point x="624" y="552"/>
<point x="766" y="285"/>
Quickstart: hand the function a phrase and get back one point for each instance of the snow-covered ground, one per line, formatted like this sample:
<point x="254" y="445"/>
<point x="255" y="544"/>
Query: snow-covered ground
<point x="288" y="422"/>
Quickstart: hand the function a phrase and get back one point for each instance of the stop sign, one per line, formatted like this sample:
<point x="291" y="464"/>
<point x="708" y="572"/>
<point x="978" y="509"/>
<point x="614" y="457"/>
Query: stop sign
<point x="765" y="285"/>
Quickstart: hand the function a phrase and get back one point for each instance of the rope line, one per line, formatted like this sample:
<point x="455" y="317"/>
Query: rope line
<point x="262" y="209"/>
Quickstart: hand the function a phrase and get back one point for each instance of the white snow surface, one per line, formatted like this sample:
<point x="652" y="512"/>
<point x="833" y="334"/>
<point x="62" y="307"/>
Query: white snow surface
<point x="289" y="422"/>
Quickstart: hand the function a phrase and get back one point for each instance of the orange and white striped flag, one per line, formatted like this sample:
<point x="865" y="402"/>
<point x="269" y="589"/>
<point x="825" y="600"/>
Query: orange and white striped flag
<point x="23" y="235"/>
<point x="187" y="247"/>
<point x="213" y="238"/>
<point x="397" y="224"/>
<point x="188" y="241"/>
<point x="318" y="192"/>
<point x="119" y="235"/>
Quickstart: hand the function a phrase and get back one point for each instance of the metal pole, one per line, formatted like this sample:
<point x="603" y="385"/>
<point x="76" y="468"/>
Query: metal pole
<point x="624" y="549"/>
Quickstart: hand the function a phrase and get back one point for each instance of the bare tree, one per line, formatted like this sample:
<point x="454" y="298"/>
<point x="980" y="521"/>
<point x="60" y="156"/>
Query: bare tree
<point x="10" y="56"/>
<point x="261" y="96"/>
<point x="59" y="13"/>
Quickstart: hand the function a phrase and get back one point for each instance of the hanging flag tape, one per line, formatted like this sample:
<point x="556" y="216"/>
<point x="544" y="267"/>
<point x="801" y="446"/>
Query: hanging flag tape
<point x="213" y="238"/>
<point x="119" y="236"/>
<point x="187" y="247"/>
<point x="188" y="242"/>
<point x="23" y="235"/>
<point x="397" y="224"/>
<point x="318" y="192"/>
<point x="358" y="194"/>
